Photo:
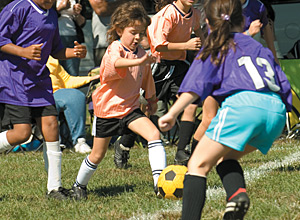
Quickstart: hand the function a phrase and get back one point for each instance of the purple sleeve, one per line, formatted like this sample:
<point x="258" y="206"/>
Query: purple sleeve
<point x="8" y="26"/>
<point x="201" y="78"/>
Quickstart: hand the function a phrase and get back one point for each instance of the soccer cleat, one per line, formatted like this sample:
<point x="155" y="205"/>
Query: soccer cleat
<point x="59" y="194"/>
<point x="79" y="192"/>
<point x="121" y="155"/>
<point x="237" y="207"/>
<point x="82" y="147"/>
<point x="181" y="158"/>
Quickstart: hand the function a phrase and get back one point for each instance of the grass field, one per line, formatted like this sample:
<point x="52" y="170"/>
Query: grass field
<point x="272" y="182"/>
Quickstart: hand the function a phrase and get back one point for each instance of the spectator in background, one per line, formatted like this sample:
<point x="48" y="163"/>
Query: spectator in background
<point x="69" y="16"/>
<point x="71" y="101"/>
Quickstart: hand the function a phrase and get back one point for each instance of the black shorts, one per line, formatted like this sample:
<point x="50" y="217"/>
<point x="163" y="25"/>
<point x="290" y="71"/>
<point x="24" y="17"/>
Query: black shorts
<point x="15" y="114"/>
<point x="108" y="127"/>
<point x="168" y="76"/>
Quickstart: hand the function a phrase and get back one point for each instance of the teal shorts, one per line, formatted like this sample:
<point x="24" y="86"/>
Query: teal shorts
<point x="249" y="117"/>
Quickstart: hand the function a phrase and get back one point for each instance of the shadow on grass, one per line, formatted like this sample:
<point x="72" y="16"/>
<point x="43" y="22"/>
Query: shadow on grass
<point x="113" y="190"/>
<point x="289" y="168"/>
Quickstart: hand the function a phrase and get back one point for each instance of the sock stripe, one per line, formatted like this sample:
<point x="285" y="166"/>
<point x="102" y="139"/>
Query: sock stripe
<point x="90" y="164"/>
<point x="152" y="144"/>
<point x="240" y="190"/>
<point x="156" y="172"/>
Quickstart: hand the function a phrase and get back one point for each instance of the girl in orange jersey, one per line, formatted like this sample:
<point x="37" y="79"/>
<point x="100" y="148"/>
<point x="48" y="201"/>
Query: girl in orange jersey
<point x="170" y="37"/>
<point x="124" y="70"/>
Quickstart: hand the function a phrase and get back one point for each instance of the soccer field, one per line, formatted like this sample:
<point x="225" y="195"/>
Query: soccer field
<point x="272" y="183"/>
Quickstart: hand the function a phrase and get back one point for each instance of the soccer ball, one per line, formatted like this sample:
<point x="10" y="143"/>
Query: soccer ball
<point x="170" y="181"/>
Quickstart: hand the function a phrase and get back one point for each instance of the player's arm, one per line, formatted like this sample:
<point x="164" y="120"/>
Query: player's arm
<point x="167" y="121"/>
<point x="79" y="51"/>
<point x="192" y="44"/>
<point x="124" y="62"/>
<point x="32" y="52"/>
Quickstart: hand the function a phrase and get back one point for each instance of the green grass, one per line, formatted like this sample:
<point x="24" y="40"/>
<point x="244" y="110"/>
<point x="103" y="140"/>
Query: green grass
<point x="128" y="194"/>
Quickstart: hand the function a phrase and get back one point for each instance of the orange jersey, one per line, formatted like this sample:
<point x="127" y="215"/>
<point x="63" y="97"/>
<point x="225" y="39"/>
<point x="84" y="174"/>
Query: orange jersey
<point x="119" y="92"/>
<point x="172" y="25"/>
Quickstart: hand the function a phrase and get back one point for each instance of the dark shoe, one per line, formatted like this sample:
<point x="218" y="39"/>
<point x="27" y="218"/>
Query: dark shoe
<point x="181" y="158"/>
<point x="121" y="155"/>
<point x="59" y="194"/>
<point x="237" y="207"/>
<point x="79" y="192"/>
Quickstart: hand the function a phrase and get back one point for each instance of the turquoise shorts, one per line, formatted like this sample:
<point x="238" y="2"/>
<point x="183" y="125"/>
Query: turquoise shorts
<point x="248" y="117"/>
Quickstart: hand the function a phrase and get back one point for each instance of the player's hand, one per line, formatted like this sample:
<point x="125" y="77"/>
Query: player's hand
<point x="194" y="44"/>
<point x="65" y="4"/>
<point x="33" y="52"/>
<point x="77" y="8"/>
<point x="255" y="27"/>
<point x="79" y="50"/>
<point x="166" y="122"/>
<point x="147" y="59"/>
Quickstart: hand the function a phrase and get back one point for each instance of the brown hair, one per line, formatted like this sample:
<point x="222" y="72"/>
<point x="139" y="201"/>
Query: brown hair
<point x="222" y="16"/>
<point x="159" y="4"/>
<point x="124" y="16"/>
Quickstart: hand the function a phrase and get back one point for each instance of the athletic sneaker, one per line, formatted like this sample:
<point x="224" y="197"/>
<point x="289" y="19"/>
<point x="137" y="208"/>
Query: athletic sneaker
<point x="237" y="207"/>
<point x="121" y="155"/>
<point x="59" y="194"/>
<point x="79" y="192"/>
<point x="82" y="147"/>
<point x="181" y="158"/>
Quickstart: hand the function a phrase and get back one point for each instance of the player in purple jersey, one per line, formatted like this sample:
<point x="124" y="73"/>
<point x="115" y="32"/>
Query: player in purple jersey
<point x="28" y="35"/>
<point x="256" y="20"/>
<point x="254" y="94"/>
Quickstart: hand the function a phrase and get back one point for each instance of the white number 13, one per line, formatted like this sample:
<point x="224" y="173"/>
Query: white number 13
<point x="253" y="72"/>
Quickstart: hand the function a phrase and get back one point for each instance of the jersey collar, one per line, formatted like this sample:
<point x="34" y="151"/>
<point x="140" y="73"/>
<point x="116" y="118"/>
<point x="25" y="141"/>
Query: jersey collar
<point x="39" y="10"/>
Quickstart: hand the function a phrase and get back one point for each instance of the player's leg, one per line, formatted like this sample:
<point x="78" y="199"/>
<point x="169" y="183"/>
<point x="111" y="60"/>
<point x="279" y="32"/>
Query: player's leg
<point x="209" y="111"/>
<point x="46" y="118"/>
<point x="157" y="155"/>
<point x="186" y="131"/>
<point x="205" y="156"/>
<point x="89" y="166"/>
<point x="20" y="118"/>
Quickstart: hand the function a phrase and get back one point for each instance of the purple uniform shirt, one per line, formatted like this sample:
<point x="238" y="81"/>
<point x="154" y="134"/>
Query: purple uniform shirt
<point x="250" y="67"/>
<point x="253" y="10"/>
<point x="22" y="81"/>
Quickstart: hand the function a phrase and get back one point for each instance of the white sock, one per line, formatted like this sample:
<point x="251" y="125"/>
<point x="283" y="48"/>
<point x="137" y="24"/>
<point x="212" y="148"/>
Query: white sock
<point x="85" y="172"/>
<point x="4" y="145"/>
<point x="53" y="156"/>
<point x="157" y="158"/>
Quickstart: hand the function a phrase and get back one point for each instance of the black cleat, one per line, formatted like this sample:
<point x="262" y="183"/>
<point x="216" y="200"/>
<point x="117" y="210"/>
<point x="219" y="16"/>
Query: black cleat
<point x="121" y="155"/>
<point x="157" y="193"/>
<point x="237" y="207"/>
<point x="79" y="192"/>
<point x="181" y="158"/>
<point x="59" y="194"/>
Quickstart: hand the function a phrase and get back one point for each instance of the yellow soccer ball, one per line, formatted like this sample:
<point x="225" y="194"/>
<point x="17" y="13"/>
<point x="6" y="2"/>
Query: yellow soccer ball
<point x="170" y="181"/>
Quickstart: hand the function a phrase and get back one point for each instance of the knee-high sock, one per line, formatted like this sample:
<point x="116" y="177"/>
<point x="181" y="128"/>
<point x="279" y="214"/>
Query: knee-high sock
<point x="194" y="144"/>
<point x="194" y="193"/>
<point x="53" y="156"/>
<point x="232" y="176"/>
<point x="127" y="140"/>
<point x="85" y="172"/>
<point x="157" y="158"/>
<point x="185" y="134"/>
<point x="4" y="145"/>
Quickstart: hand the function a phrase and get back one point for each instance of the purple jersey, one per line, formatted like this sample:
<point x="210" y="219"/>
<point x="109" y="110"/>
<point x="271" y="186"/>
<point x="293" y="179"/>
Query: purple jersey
<point x="22" y="81"/>
<point x="250" y="67"/>
<point x="253" y="10"/>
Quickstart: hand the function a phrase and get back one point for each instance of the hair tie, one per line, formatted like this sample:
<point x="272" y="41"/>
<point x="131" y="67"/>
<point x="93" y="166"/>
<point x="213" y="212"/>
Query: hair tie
<point x="225" y="17"/>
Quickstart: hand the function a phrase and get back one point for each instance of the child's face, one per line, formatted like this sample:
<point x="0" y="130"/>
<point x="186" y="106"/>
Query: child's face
<point x="44" y="4"/>
<point x="132" y="36"/>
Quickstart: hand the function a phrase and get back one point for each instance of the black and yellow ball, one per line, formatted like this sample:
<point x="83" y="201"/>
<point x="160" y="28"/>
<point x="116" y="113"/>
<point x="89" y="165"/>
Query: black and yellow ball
<point x="170" y="181"/>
